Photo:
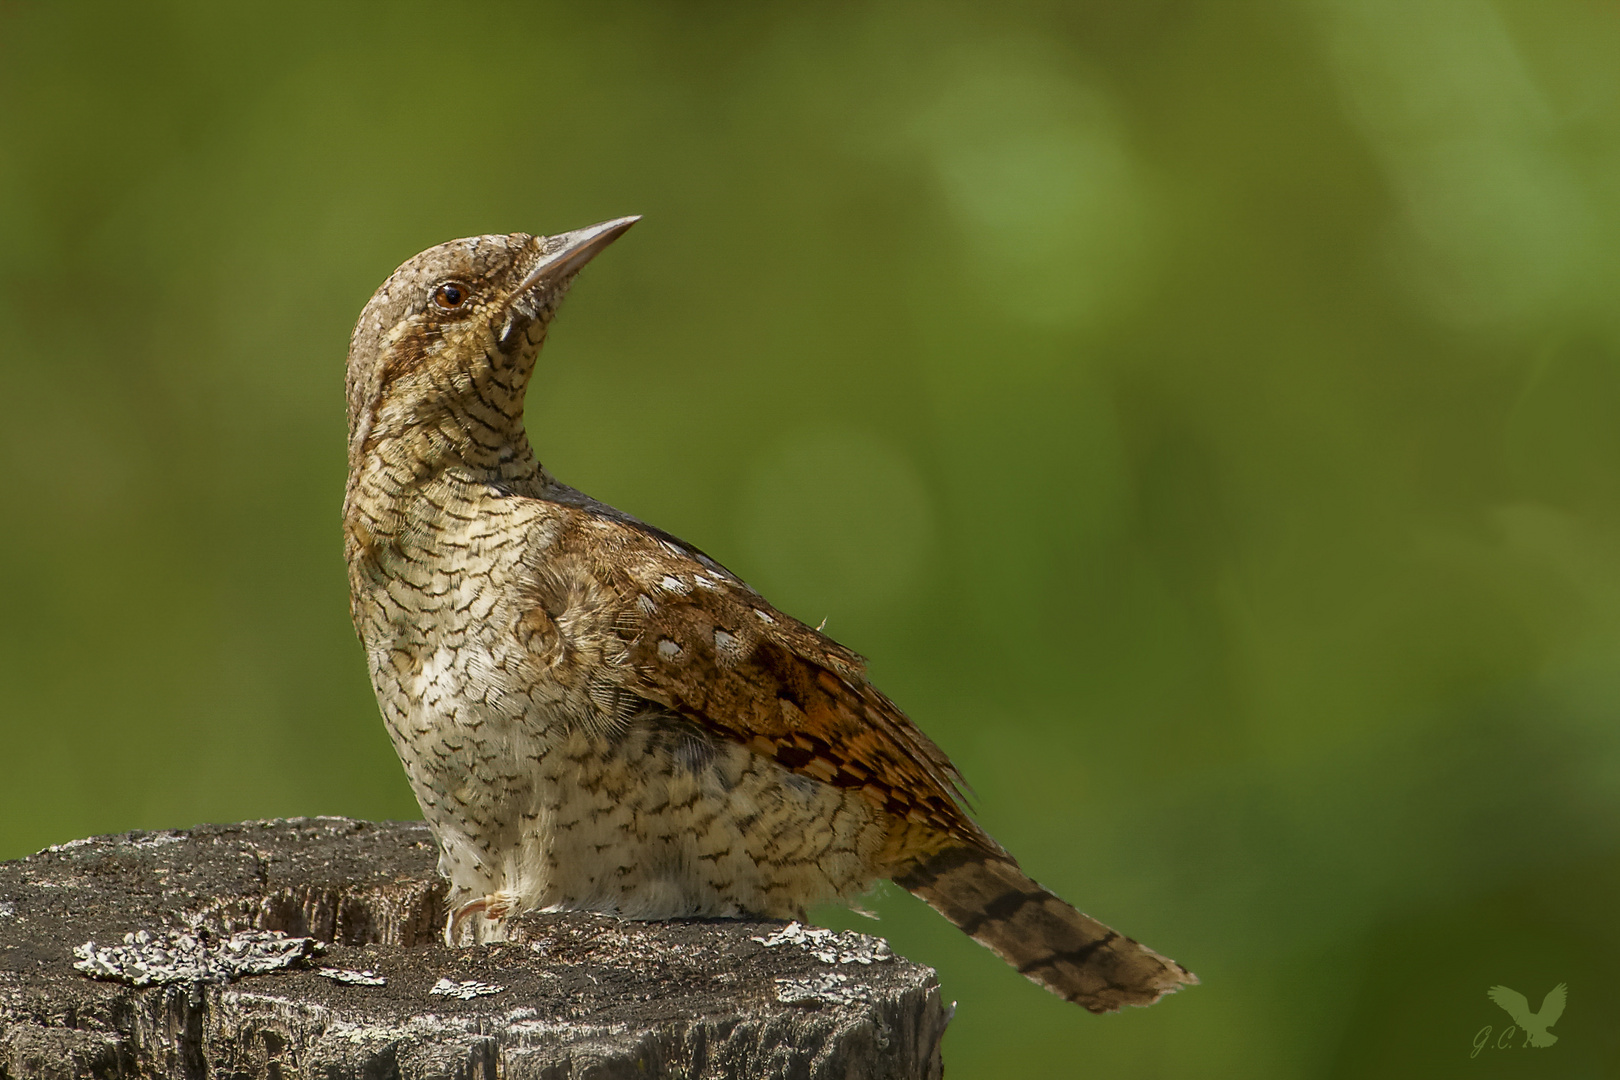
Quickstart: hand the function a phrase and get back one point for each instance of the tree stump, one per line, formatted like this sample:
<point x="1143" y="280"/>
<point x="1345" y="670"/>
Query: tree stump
<point x="311" y="948"/>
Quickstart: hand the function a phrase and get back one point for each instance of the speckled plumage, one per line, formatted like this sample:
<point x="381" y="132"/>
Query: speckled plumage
<point x="595" y="715"/>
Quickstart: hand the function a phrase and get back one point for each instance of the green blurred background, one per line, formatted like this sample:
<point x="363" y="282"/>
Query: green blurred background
<point x="1204" y="414"/>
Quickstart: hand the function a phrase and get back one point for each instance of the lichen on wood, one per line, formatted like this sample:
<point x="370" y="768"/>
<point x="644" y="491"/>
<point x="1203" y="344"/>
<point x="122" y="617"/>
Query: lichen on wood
<point x="310" y="948"/>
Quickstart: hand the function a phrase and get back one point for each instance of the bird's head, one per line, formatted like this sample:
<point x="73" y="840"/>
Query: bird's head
<point x="442" y="354"/>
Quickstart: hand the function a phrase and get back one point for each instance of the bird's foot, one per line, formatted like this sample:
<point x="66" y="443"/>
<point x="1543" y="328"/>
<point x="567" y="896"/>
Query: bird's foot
<point x="495" y="907"/>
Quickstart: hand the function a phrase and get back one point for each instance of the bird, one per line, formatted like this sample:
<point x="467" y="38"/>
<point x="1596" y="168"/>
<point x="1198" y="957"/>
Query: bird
<point x="1535" y="1024"/>
<point x="595" y="715"/>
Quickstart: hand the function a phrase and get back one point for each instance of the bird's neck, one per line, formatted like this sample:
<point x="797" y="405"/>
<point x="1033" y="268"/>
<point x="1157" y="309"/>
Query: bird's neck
<point x="453" y="451"/>
<point x="484" y="450"/>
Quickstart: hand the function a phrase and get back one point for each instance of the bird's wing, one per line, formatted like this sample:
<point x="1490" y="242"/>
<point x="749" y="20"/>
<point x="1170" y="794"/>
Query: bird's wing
<point x="1552" y="1006"/>
<point x="1515" y="1003"/>
<point x="699" y="642"/>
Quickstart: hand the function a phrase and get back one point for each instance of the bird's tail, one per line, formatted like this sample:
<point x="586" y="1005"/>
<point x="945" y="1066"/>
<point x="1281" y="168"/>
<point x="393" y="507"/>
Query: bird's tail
<point x="1048" y="941"/>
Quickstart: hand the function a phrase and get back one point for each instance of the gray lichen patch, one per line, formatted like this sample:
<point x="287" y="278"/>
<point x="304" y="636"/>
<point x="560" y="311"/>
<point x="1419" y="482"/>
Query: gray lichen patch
<point x="828" y="988"/>
<point x="351" y="978"/>
<point x="466" y="990"/>
<point x="830" y="946"/>
<point x="181" y="958"/>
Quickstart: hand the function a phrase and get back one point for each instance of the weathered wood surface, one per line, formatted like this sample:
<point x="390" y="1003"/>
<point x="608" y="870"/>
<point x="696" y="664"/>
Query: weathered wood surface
<point x="571" y="996"/>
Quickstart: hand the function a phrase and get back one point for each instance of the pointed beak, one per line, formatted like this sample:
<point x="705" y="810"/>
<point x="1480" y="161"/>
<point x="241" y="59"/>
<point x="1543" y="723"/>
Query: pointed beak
<point x="570" y="251"/>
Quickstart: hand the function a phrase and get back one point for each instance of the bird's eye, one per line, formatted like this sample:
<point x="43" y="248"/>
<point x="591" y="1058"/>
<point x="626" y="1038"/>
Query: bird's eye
<point x="450" y="295"/>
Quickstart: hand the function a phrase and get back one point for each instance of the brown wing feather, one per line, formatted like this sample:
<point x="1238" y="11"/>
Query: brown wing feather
<point x="703" y="644"/>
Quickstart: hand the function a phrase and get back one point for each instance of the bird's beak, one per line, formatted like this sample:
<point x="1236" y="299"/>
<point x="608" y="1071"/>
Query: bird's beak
<point x="571" y="250"/>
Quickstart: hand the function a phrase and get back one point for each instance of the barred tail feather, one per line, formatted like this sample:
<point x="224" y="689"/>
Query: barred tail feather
<point x="1070" y="953"/>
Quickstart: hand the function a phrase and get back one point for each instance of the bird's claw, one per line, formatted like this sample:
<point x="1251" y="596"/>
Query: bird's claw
<point x="495" y="907"/>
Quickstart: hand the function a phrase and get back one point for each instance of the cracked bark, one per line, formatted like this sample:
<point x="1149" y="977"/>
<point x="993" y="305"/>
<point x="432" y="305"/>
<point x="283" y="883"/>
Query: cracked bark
<point x="572" y="995"/>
